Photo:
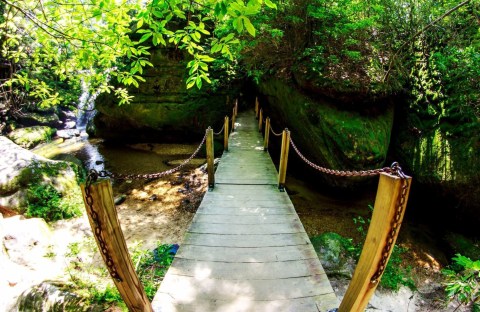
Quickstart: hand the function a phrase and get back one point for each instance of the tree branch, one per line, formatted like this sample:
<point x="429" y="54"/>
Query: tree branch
<point x="53" y="32"/>
<point x="418" y="33"/>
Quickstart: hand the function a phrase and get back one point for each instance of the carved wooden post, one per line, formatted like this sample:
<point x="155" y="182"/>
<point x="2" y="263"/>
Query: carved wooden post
<point x="108" y="234"/>
<point x="282" y="170"/>
<point x="260" y="120"/>
<point x="390" y="204"/>
<point x="267" y="134"/>
<point x="257" y="105"/>
<point x="210" y="159"/>
<point x="225" y="134"/>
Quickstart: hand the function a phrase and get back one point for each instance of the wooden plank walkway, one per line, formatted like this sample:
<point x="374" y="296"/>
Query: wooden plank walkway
<point x="246" y="249"/>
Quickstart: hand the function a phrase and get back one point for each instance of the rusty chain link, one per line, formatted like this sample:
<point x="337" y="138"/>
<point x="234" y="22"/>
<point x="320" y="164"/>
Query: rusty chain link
<point x="400" y="207"/>
<point x="120" y="176"/>
<point x="97" y="228"/>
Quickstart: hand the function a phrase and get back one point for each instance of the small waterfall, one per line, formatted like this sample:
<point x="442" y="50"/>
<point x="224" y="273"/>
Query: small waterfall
<point x="88" y="154"/>
<point x="86" y="107"/>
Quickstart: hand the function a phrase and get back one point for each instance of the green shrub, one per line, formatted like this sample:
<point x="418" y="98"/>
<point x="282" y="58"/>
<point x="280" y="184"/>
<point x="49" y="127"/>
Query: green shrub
<point x="151" y="266"/>
<point x="44" y="201"/>
<point x="94" y="284"/>
<point x="462" y="282"/>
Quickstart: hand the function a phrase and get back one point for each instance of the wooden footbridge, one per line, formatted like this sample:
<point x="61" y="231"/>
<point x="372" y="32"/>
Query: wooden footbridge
<point x="246" y="249"/>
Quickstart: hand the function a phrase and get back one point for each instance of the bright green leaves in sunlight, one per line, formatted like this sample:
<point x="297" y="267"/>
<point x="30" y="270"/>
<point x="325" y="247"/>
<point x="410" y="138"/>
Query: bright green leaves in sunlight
<point x="203" y="29"/>
<point x="198" y="71"/>
<point x="57" y="45"/>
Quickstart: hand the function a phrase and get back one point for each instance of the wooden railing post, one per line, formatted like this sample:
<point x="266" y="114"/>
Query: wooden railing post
<point x="257" y="105"/>
<point x="108" y="234"/>
<point x="390" y="204"/>
<point x="233" y="120"/>
<point x="282" y="170"/>
<point x="210" y="159"/>
<point x="225" y="133"/>
<point x="260" y="120"/>
<point x="236" y="107"/>
<point x="267" y="134"/>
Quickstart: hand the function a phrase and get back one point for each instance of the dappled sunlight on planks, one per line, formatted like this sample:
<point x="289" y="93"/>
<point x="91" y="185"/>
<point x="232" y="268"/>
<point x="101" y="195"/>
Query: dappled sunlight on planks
<point x="246" y="249"/>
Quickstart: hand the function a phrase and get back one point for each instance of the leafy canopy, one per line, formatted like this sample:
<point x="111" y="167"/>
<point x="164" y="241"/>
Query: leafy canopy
<point x="51" y="45"/>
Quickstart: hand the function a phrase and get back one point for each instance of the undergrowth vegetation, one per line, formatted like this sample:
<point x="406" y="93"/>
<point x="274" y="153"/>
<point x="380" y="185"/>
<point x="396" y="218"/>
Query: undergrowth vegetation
<point x="90" y="279"/>
<point x="395" y="274"/>
<point x="462" y="282"/>
<point x="44" y="200"/>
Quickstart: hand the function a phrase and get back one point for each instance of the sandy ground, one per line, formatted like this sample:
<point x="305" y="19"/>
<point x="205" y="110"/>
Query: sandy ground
<point x="161" y="211"/>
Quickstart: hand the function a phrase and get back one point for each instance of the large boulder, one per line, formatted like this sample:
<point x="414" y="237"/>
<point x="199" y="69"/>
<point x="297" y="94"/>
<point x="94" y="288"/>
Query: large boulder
<point x="29" y="137"/>
<point x="162" y="107"/>
<point x="328" y="133"/>
<point x="24" y="248"/>
<point x="41" y="118"/>
<point x="54" y="297"/>
<point x="21" y="170"/>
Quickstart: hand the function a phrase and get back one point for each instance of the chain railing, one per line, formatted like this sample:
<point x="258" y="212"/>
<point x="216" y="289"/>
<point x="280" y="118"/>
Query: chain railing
<point x="390" y="205"/>
<point x="274" y="132"/>
<point x="341" y="173"/>
<point x="221" y="130"/>
<point x="94" y="175"/>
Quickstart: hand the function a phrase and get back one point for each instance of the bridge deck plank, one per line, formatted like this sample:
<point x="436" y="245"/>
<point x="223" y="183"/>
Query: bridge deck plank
<point x="246" y="249"/>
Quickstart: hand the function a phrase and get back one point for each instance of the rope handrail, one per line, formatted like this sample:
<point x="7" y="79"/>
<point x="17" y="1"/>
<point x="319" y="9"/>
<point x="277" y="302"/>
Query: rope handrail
<point x="94" y="174"/>
<point x="349" y="173"/>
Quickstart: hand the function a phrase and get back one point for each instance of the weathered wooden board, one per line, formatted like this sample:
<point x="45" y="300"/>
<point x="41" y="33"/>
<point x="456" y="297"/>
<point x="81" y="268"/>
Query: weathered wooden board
<point x="246" y="254"/>
<point x="246" y="249"/>
<point x="246" y="271"/>
<point x="246" y="304"/>
<point x="255" y="219"/>
<point x="247" y="240"/>
<point x="183" y="287"/>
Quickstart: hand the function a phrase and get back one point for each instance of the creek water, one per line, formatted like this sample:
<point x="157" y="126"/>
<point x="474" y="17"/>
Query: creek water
<point x="125" y="159"/>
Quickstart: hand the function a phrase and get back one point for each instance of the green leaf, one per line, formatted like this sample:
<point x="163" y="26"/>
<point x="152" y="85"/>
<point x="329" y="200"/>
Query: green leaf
<point x="249" y="26"/>
<point x="215" y="48"/>
<point x="190" y="84"/>
<point x="145" y="37"/>
<point x="198" y="82"/>
<point x="237" y="24"/>
<point x="270" y="4"/>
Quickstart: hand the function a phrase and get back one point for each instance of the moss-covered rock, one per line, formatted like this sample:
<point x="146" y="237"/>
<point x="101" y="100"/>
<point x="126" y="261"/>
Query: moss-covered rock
<point x="54" y="296"/>
<point x="444" y="159"/>
<point x="329" y="135"/>
<point x="24" y="175"/>
<point x="163" y="109"/>
<point x="40" y="118"/>
<point x="31" y="136"/>
<point x="333" y="250"/>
